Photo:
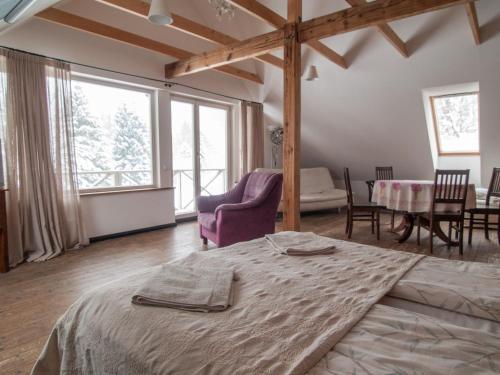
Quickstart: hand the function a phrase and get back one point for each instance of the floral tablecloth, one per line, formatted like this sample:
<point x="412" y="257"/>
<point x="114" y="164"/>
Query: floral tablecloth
<point x="412" y="195"/>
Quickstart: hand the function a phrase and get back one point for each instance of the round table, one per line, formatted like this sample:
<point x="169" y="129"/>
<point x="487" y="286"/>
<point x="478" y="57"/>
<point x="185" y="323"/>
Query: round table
<point x="413" y="197"/>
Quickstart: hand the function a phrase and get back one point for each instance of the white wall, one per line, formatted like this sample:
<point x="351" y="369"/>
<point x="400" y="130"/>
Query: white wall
<point x="114" y="213"/>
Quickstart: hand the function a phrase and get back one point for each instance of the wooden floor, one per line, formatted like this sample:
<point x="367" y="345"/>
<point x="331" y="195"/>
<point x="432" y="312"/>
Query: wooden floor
<point x="33" y="296"/>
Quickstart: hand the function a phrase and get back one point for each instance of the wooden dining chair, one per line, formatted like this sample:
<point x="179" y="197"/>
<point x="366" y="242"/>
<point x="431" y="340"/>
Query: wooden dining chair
<point x="360" y="212"/>
<point x="385" y="173"/>
<point x="486" y="209"/>
<point x="450" y="188"/>
<point x="381" y="173"/>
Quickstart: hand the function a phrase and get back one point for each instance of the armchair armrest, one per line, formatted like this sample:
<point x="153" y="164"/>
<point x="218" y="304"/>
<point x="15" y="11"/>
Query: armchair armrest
<point x="237" y="206"/>
<point x="211" y="202"/>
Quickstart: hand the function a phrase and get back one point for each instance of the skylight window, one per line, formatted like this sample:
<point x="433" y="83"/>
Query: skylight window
<point x="456" y="123"/>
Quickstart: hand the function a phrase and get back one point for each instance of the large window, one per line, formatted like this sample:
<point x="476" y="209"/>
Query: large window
<point x="200" y="150"/>
<point x="456" y="123"/>
<point x="113" y="135"/>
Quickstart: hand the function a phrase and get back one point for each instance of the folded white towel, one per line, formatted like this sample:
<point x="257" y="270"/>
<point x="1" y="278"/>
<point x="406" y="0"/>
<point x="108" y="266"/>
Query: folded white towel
<point x="297" y="243"/>
<point x="187" y="288"/>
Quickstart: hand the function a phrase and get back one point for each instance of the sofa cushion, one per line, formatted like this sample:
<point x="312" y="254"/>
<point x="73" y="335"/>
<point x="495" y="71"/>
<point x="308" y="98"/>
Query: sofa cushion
<point x="328" y="195"/>
<point x="312" y="180"/>
<point x="207" y="220"/>
<point x="315" y="180"/>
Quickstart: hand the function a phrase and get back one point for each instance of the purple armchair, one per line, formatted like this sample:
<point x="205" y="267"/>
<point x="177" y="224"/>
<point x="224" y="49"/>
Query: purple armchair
<point x="246" y="212"/>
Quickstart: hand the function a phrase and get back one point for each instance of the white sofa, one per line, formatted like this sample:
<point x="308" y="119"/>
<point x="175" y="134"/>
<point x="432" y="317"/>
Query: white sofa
<point x="317" y="190"/>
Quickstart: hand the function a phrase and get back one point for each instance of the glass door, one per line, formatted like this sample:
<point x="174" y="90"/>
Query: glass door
<point x="183" y="153"/>
<point x="213" y="123"/>
<point x="200" y="132"/>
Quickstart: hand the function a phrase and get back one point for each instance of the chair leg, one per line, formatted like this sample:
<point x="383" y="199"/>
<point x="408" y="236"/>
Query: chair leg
<point x="498" y="229"/>
<point x="486" y="227"/>
<point x="461" y="239"/>
<point x="431" y="237"/>
<point x="393" y="219"/>
<point x="418" y="230"/>
<point x="347" y="222"/>
<point x="471" y="227"/>
<point x="351" y="224"/>
<point x="456" y="231"/>
<point x="373" y="222"/>
<point x="205" y="241"/>
<point x="450" y="227"/>
<point x="378" y="225"/>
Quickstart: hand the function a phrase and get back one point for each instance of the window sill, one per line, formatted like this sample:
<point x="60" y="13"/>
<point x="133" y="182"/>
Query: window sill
<point x="112" y="192"/>
<point x="440" y="154"/>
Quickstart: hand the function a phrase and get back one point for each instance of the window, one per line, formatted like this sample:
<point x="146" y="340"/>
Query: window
<point x="456" y="123"/>
<point x="113" y="135"/>
<point x="200" y="150"/>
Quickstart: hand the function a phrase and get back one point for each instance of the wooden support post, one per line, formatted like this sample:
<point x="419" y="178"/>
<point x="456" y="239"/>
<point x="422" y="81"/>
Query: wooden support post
<point x="291" y="119"/>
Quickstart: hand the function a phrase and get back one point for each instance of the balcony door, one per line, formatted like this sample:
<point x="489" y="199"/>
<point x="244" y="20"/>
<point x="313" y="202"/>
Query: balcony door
<point x="200" y="148"/>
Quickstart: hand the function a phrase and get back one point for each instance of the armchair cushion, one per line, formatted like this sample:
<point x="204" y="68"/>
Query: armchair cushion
<point x="328" y="195"/>
<point x="256" y="184"/>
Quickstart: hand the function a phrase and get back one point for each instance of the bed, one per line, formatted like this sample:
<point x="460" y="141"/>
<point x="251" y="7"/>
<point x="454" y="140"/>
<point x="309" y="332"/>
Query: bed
<point x="362" y="310"/>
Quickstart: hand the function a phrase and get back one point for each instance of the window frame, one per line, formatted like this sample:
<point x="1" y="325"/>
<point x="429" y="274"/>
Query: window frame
<point x="153" y="138"/>
<point x="197" y="102"/>
<point x="435" y="124"/>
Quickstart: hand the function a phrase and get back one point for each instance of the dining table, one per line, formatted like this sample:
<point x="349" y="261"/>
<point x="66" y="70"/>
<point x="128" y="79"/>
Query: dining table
<point x="414" y="197"/>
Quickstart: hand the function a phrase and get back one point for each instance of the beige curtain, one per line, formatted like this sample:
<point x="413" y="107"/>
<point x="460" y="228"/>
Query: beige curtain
<point x="251" y="137"/>
<point x="43" y="206"/>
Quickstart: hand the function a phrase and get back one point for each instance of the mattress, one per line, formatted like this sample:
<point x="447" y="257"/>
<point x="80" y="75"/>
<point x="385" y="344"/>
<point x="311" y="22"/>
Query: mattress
<point x="394" y="341"/>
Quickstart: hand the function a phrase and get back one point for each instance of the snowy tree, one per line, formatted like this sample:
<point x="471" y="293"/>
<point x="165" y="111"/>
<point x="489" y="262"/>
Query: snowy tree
<point x="89" y="139"/>
<point x="457" y="115"/>
<point x="131" y="146"/>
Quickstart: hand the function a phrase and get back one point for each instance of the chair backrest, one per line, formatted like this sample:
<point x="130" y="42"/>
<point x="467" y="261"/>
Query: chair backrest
<point x="348" y="188"/>
<point x="383" y="173"/>
<point x="256" y="184"/>
<point x="494" y="188"/>
<point x="450" y="187"/>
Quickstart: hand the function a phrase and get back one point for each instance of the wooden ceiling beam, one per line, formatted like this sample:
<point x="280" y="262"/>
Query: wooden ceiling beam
<point x="386" y="31"/>
<point x="470" y="8"/>
<point x="344" y="21"/>
<point x="84" y="24"/>
<point x="141" y="9"/>
<point x="369" y="14"/>
<point x="256" y="9"/>
<point x="235" y="52"/>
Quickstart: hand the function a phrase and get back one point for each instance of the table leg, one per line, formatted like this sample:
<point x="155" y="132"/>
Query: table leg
<point x="401" y="226"/>
<point x="439" y="232"/>
<point x="406" y="226"/>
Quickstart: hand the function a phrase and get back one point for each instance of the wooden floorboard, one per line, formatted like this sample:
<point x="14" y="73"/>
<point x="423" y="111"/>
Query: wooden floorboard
<point x="34" y="295"/>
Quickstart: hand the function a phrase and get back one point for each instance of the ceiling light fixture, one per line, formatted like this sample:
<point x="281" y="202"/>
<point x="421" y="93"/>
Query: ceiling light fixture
<point x="223" y="8"/>
<point x="159" y="13"/>
<point x="312" y="73"/>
